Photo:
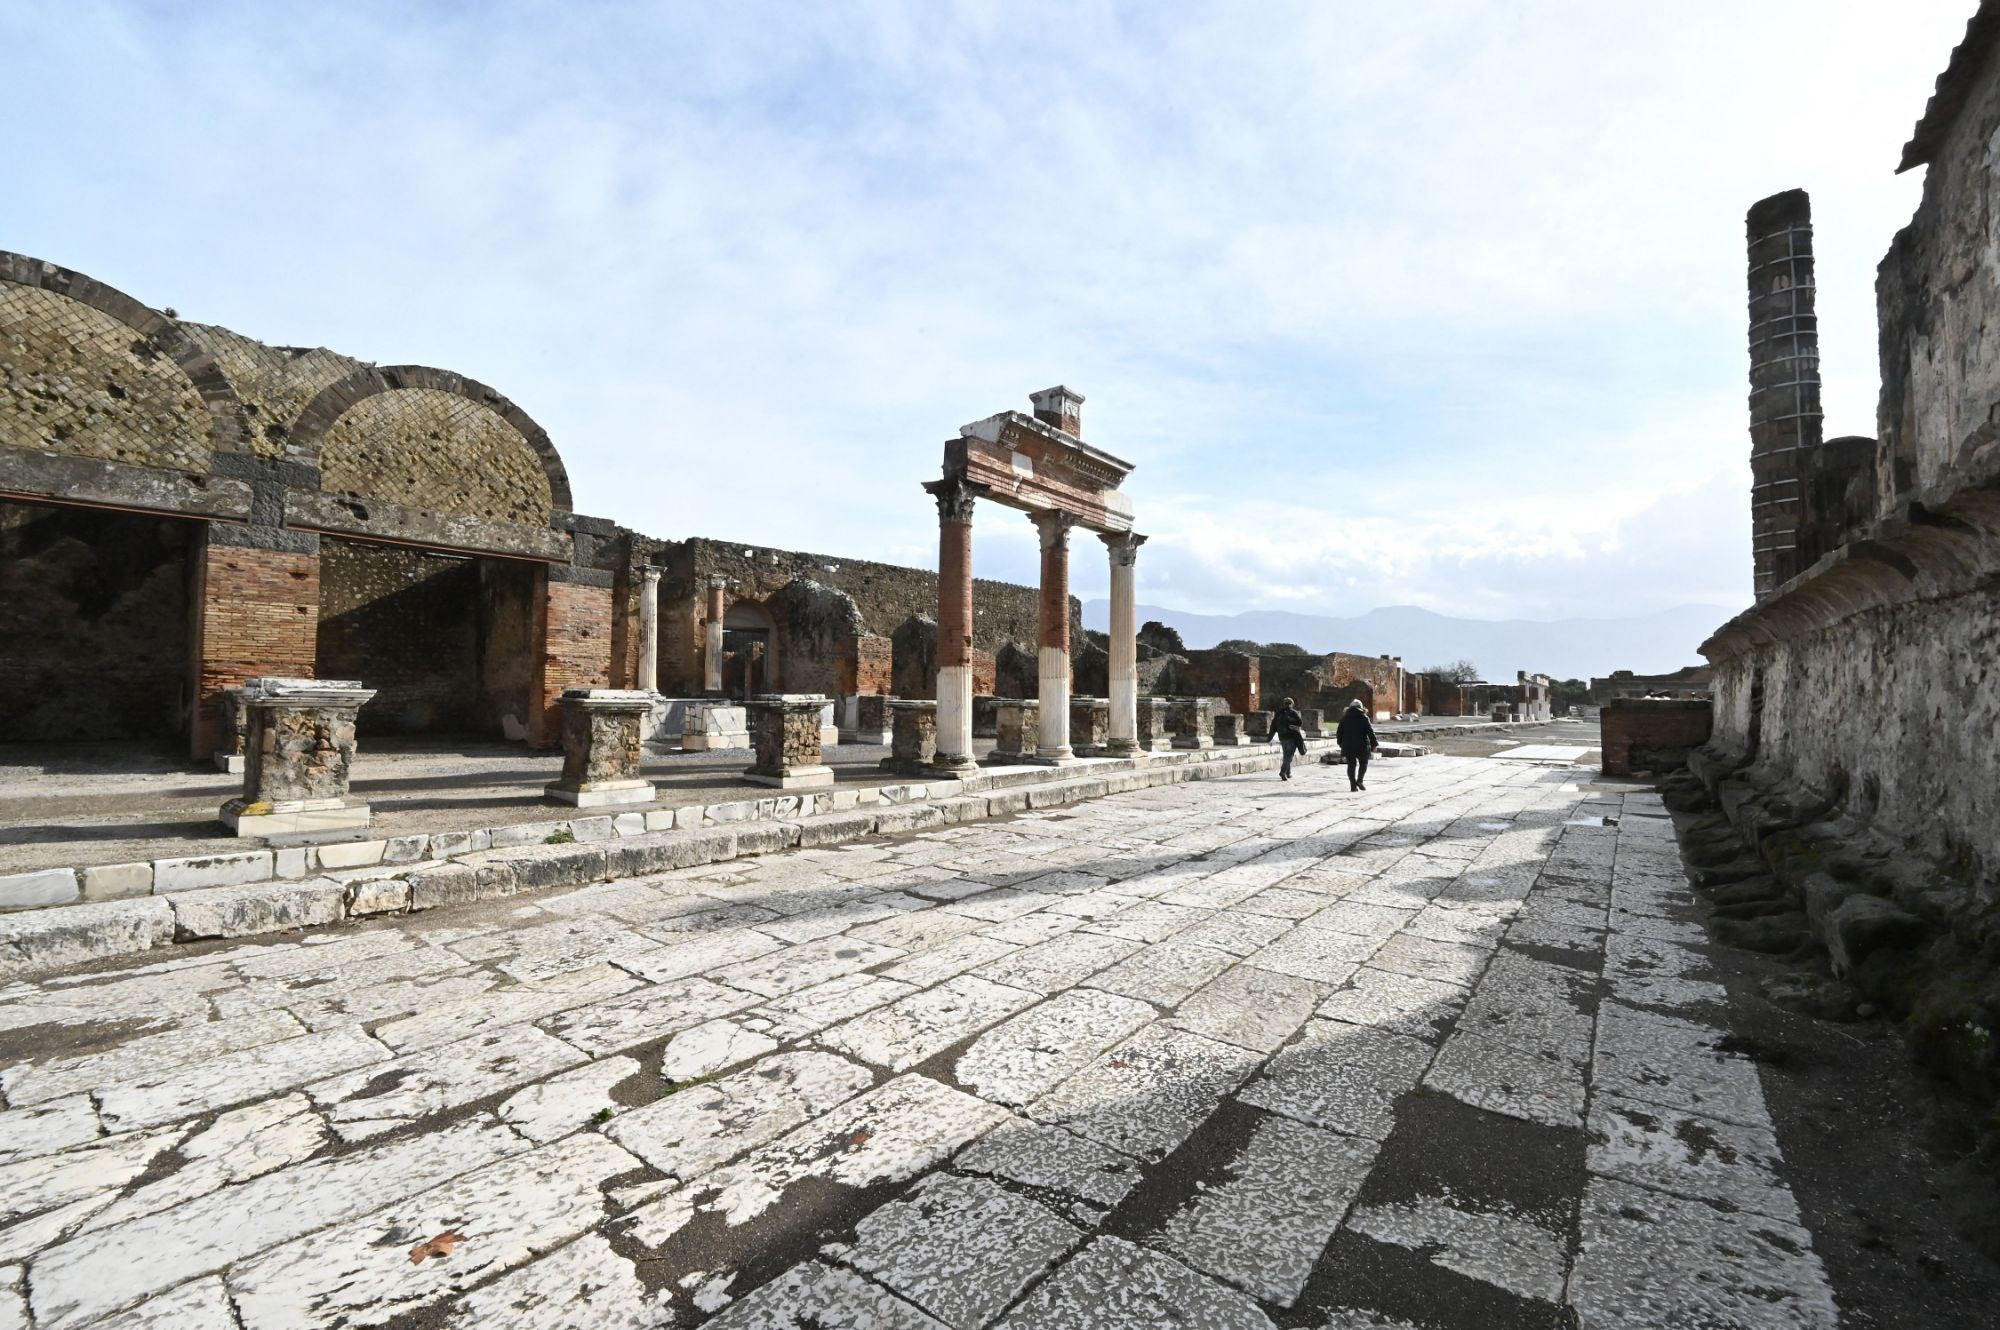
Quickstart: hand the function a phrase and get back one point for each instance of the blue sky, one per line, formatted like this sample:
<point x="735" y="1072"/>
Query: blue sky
<point x="1436" y="305"/>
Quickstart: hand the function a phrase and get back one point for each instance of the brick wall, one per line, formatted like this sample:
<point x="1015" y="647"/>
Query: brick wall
<point x="867" y="664"/>
<point x="256" y="612"/>
<point x="574" y="624"/>
<point x="1652" y="734"/>
<point x="1227" y="674"/>
<point x="94" y="622"/>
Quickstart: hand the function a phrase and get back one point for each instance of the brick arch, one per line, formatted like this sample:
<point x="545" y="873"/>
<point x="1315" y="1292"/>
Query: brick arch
<point x="157" y="332"/>
<point x="309" y="432"/>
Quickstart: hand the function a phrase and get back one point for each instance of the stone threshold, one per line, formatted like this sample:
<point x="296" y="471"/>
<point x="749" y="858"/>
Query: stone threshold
<point x="34" y="941"/>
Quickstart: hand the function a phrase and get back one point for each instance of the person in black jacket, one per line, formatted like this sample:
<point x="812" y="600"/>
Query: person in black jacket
<point x="1288" y="727"/>
<point x="1356" y="737"/>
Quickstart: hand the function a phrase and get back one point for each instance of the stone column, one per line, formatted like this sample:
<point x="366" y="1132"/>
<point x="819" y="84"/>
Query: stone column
<point x="649" y="630"/>
<point x="954" y="646"/>
<point x="711" y="642"/>
<point x="1054" y="637"/>
<point x="784" y="731"/>
<point x="1124" y="690"/>
<point x="298" y="757"/>
<point x="603" y="732"/>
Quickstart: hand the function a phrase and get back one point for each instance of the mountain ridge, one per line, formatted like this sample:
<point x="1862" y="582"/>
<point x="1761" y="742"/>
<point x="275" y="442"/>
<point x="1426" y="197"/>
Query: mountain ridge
<point x="1655" y="643"/>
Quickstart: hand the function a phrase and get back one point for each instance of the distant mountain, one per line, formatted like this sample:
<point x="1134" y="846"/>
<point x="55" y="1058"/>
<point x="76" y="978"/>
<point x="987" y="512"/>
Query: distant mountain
<point x="1566" y="648"/>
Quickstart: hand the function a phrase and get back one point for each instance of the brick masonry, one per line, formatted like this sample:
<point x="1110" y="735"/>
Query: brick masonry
<point x="1652" y="733"/>
<point x="575" y="652"/>
<point x="256" y="613"/>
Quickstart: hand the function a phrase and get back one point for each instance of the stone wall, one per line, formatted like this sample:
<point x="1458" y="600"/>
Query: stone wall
<point x="108" y="590"/>
<point x="438" y="451"/>
<point x="1652" y="734"/>
<point x="406" y="623"/>
<point x="1212" y="673"/>
<point x="256" y="612"/>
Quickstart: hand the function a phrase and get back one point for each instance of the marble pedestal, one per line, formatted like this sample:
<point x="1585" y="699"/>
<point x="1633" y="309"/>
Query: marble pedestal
<point x="711" y="725"/>
<point x="1016" y="721"/>
<point x="298" y="758"/>
<point x="604" y="735"/>
<point x="865" y="720"/>
<point x="785" y="735"/>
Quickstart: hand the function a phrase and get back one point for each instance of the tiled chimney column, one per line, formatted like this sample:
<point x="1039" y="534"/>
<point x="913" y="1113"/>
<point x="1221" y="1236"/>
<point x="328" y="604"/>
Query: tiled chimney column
<point x="1123" y="739"/>
<point x="1053" y="744"/>
<point x="711" y="646"/>
<point x="1785" y="419"/>
<point x="954" y="645"/>
<point x="649" y="630"/>
<point x="1061" y="407"/>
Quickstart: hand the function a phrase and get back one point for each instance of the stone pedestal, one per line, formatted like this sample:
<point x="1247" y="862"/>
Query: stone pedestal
<point x="986" y="716"/>
<point x="1229" y="732"/>
<point x="866" y="719"/>
<point x="709" y="725"/>
<point x="1090" y="726"/>
<point x="298" y="758"/>
<point x="1502" y="712"/>
<point x="1257" y="726"/>
<point x="913" y="749"/>
<point x="604" y="734"/>
<point x="1190" y="720"/>
<point x="1150" y="721"/>
<point x="1017" y="723"/>
<point x="785" y="735"/>
<point x="235" y="725"/>
<point x="1310" y="723"/>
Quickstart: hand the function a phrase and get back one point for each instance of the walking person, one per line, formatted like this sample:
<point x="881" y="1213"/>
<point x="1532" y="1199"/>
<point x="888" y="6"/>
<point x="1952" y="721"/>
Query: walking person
<point x="1356" y="737"/>
<point x="1288" y="727"/>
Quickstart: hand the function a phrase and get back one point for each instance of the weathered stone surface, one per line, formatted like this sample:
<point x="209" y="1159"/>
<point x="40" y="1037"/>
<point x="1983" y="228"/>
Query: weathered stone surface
<point x="389" y="1095"/>
<point x="48" y="886"/>
<point x="584" y="1286"/>
<point x="1113" y="1285"/>
<point x="815" y="1296"/>
<point x="960" y="1248"/>
<point x="1342" y="1076"/>
<point x="236" y="1077"/>
<point x="246" y="911"/>
<point x="211" y="870"/>
<point x="705" y="1126"/>
<point x="909" y="1031"/>
<point x="47" y="940"/>
<point x="1029" y="1055"/>
<point x="1147" y="1094"/>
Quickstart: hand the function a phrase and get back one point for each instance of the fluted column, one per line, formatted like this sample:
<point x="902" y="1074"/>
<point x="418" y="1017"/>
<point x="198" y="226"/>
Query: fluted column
<point x="954" y="642"/>
<point x="649" y="630"/>
<point x="1053" y="743"/>
<point x="711" y="673"/>
<point x="1123" y="739"/>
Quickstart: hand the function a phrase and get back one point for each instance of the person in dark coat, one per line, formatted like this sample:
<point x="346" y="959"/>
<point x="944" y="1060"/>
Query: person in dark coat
<point x="1356" y="737"/>
<point x="1288" y="727"/>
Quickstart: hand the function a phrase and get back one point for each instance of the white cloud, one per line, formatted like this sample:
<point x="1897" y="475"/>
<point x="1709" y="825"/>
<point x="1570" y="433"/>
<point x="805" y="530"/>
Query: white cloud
<point x="1438" y="305"/>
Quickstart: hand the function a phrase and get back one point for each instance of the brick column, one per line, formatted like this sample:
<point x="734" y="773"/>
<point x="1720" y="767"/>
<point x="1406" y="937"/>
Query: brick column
<point x="1053" y="636"/>
<point x="573" y="632"/>
<point x="1123" y="740"/>
<point x="256" y="613"/>
<point x="711" y="641"/>
<point x="954" y="649"/>
<point x="649" y="630"/>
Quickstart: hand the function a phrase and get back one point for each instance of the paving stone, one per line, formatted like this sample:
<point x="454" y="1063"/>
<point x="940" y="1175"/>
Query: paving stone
<point x="1151" y="921"/>
<point x="1050" y="967"/>
<point x="1030" y="1054"/>
<point x="1164" y="973"/>
<point x="101" y="1167"/>
<point x="48" y="939"/>
<point x="799" y="967"/>
<point x="449" y="1022"/>
<point x="1145" y="1096"/>
<point x="200" y="1304"/>
<point x="567" y="1102"/>
<point x="1263" y="1227"/>
<point x="944" y="962"/>
<point x="819" y="1297"/>
<point x="1250" y="1007"/>
<point x="813" y="1009"/>
<point x="1113" y="1285"/>
<point x="55" y="1125"/>
<point x="1705" y="1158"/>
<point x="1500" y="1078"/>
<point x="584" y="1286"/>
<point x="1342" y="1076"/>
<point x="960" y="1248"/>
<point x="1507" y="1251"/>
<point x="95" y="1273"/>
<point x="664" y="963"/>
<point x="711" y="1047"/>
<point x="1237" y="934"/>
<point x="1424" y="958"/>
<point x="1029" y="929"/>
<point x="911" y="1030"/>
<point x="1051" y="1159"/>
<point x="1651" y="1259"/>
<point x="237" y="1077"/>
<point x="240" y="1144"/>
<point x="1660" y="1060"/>
<point x="1385" y="1000"/>
<point x="420" y="1251"/>
<point x="692" y="1131"/>
<point x="651" y="1013"/>
<point x="393" y="1094"/>
<point x="1357" y="918"/>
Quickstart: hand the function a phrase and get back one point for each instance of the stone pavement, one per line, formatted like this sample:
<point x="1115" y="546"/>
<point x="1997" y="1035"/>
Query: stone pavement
<point x="1226" y="1054"/>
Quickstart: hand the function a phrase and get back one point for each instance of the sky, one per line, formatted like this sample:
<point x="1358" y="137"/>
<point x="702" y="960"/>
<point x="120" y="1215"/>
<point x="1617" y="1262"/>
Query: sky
<point x="1436" y="305"/>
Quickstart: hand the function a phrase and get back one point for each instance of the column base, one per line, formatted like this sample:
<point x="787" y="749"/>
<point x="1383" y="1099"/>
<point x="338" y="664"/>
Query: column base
<point x="796" y="778"/>
<point x="1060" y="757"/>
<point x="878" y="738"/>
<point x="959" y="763"/>
<point x="230" y="763"/>
<point x="1001" y="757"/>
<point x="1193" y="741"/>
<point x="303" y="818"/>
<point x="600" y="794"/>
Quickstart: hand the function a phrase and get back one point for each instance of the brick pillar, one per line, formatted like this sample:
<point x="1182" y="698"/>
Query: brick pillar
<point x="256" y="613"/>
<point x="954" y="647"/>
<point x="1785" y="420"/>
<point x="573" y="627"/>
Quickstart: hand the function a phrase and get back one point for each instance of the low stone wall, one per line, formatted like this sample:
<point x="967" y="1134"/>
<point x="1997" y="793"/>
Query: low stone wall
<point x="1651" y="733"/>
<point x="233" y="895"/>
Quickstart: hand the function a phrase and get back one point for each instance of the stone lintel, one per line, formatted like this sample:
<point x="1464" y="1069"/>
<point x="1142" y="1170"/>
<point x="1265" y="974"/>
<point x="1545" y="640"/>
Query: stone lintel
<point x="30" y="473"/>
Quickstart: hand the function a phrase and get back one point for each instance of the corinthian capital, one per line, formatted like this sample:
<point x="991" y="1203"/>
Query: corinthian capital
<point x="954" y="495"/>
<point x="1055" y="528"/>
<point x="1124" y="547"/>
